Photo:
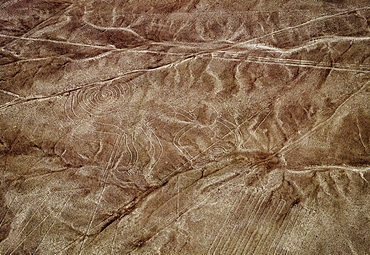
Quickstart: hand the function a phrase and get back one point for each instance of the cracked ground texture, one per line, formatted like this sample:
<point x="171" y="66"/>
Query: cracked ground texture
<point x="185" y="127"/>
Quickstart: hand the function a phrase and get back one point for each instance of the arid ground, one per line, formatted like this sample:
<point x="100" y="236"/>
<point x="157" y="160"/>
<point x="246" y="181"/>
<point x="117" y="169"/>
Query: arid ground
<point x="185" y="127"/>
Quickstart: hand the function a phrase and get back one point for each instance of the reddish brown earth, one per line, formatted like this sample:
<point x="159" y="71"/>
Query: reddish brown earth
<point x="185" y="127"/>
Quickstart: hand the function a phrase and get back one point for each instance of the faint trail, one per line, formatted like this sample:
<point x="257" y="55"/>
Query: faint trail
<point x="7" y="210"/>
<point x="246" y="223"/>
<point x="52" y="224"/>
<point x="293" y="144"/>
<point x="221" y="232"/>
<point x="301" y="214"/>
<point x="325" y="17"/>
<point x="39" y="207"/>
<point x="161" y="150"/>
<point x="286" y="224"/>
<point x="181" y="135"/>
<point x="58" y="14"/>
<point x="112" y="47"/>
<point x="286" y="62"/>
<point x="152" y="154"/>
<point x="251" y="219"/>
<point x="136" y="151"/>
<point x="185" y="210"/>
<point x="10" y="93"/>
<point x="177" y="169"/>
<point x="257" y="127"/>
<point x="25" y="238"/>
<point x="114" y="240"/>
<point x="238" y="132"/>
<point x="70" y="245"/>
<point x="176" y="138"/>
<point x="105" y="175"/>
<point x="243" y="213"/>
<point x="262" y="61"/>
<point x="360" y="136"/>
<point x="255" y="227"/>
<point x="271" y="61"/>
<point x="258" y="249"/>
<point x="129" y="151"/>
<point x="124" y="29"/>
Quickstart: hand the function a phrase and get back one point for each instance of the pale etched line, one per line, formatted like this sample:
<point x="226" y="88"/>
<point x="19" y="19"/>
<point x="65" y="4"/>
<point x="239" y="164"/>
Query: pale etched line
<point x="290" y="146"/>
<point x="47" y="192"/>
<point x="160" y="151"/>
<point x="11" y="93"/>
<point x="224" y="12"/>
<point x="230" y="130"/>
<point x="25" y="238"/>
<point x="70" y="245"/>
<point x="322" y="40"/>
<point x="112" y="47"/>
<point x="41" y="24"/>
<point x="330" y="167"/>
<point x="99" y="56"/>
<point x="171" y="64"/>
<point x="309" y="63"/>
<point x="125" y="29"/>
<point x="151" y="147"/>
<point x="151" y="151"/>
<point x="182" y="114"/>
<point x="71" y="115"/>
<point x="263" y="240"/>
<point x="68" y="108"/>
<point x="238" y="221"/>
<point x="219" y="236"/>
<point x="118" y="130"/>
<point x="136" y="151"/>
<point x="187" y="209"/>
<point x="155" y="52"/>
<point x="227" y="237"/>
<point x="259" y="231"/>
<point x="294" y="214"/>
<point x="296" y="65"/>
<point x="173" y="215"/>
<point x="218" y="82"/>
<point x="2" y="220"/>
<point x="119" y="160"/>
<point x="192" y="116"/>
<point x="25" y="60"/>
<point x="39" y="207"/>
<point x="129" y="151"/>
<point x="177" y="197"/>
<point x="252" y="231"/>
<point x="253" y="218"/>
<point x="55" y="219"/>
<point x="276" y="236"/>
<point x="232" y="242"/>
<point x="100" y="150"/>
<point x="302" y="25"/>
<point x="104" y="178"/>
<point x="255" y="130"/>
<point x="211" y="145"/>
<point x="280" y="60"/>
<point x="360" y="136"/>
<point x="114" y="239"/>
<point x="291" y="224"/>
<point x="177" y="137"/>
